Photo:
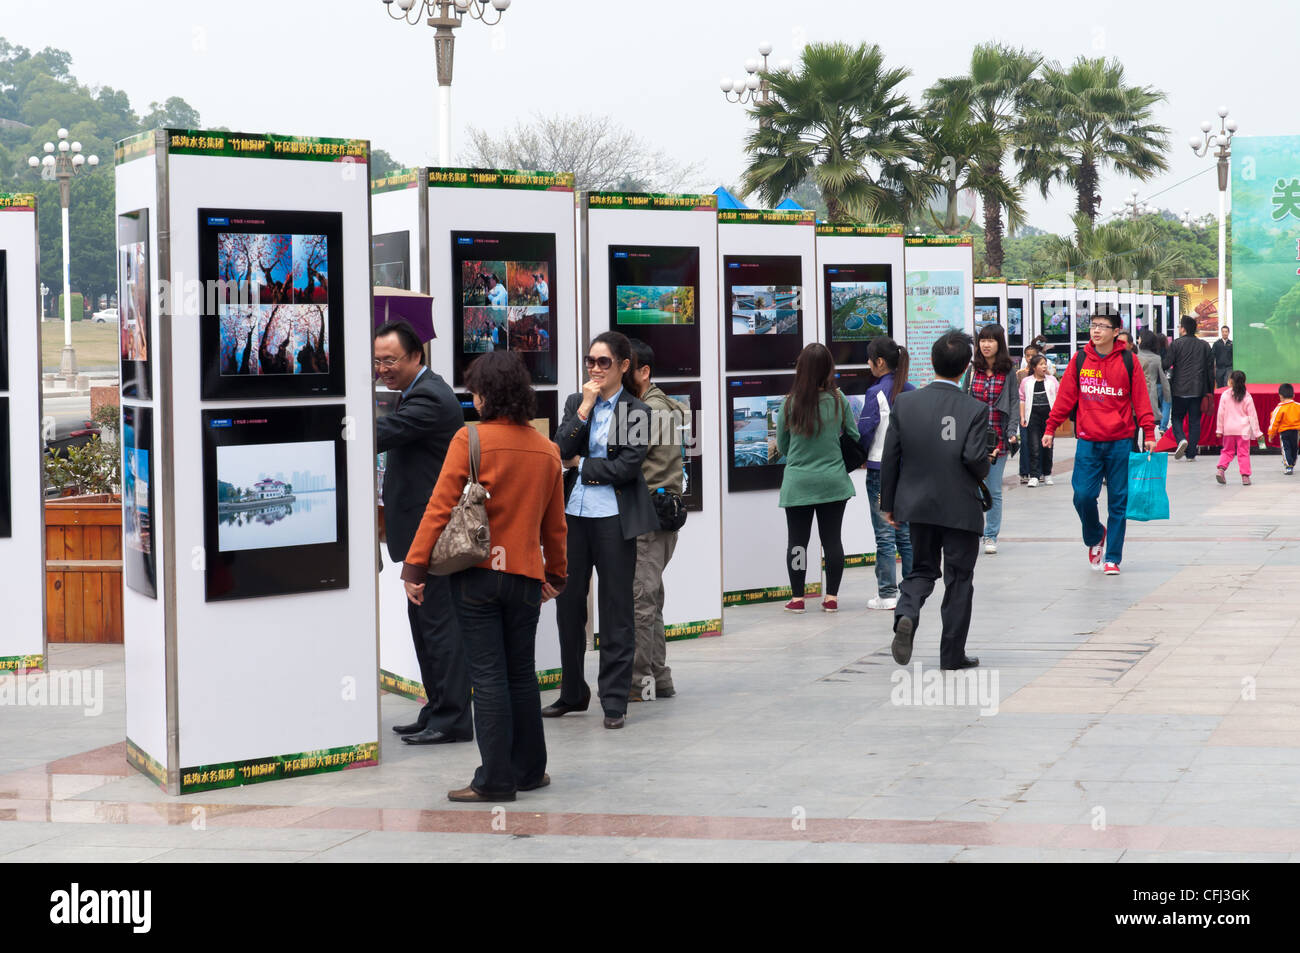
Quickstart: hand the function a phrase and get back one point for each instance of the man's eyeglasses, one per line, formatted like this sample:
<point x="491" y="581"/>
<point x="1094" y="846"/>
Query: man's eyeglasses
<point x="603" y="362"/>
<point x="387" y="364"/>
<point x="1103" y="326"/>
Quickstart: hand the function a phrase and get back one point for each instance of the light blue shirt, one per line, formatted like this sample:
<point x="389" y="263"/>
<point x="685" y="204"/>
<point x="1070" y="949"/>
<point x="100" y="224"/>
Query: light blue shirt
<point x="497" y="296"/>
<point x="417" y="376"/>
<point x="599" y="501"/>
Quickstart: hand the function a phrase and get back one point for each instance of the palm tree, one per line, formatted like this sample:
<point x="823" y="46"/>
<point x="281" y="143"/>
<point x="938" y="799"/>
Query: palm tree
<point x="1120" y="250"/>
<point x="840" y="118"/>
<point x="996" y="93"/>
<point x="1084" y="118"/>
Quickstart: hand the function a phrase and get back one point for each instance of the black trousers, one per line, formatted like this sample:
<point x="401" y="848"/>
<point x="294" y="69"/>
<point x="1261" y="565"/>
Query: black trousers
<point x="598" y="544"/>
<point x="1191" y="407"/>
<point x="441" y="654"/>
<point x="1032" y="451"/>
<point x="798" y="524"/>
<point x="1288" y="438"/>
<point x="957" y="550"/>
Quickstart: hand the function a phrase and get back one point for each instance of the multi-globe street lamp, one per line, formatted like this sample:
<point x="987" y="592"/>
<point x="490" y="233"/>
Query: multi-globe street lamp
<point x="1221" y="142"/>
<point x="62" y="162"/>
<point x="755" y="88"/>
<point x="1132" y="209"/>
<point x="445" y="16"/>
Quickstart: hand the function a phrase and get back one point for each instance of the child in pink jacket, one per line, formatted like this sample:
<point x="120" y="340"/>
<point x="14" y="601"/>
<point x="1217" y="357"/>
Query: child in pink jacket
<point x="1238" y="427"/>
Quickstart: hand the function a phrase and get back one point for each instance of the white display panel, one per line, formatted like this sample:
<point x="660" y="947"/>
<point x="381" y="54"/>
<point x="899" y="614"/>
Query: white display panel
<point x="1020" y="328"/>
<point x="754" y="532"/>
<point x="22" y="547"/>
<point x="693" y="581"/>
<point x="939" y="296"/>
<point x="397" y="210"/>
<point x="1055" y="314"/>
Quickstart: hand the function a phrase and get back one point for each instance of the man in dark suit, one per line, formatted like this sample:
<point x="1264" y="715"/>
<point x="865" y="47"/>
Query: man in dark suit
<point x="936" y="453"/>
<point x="415" y="437"/>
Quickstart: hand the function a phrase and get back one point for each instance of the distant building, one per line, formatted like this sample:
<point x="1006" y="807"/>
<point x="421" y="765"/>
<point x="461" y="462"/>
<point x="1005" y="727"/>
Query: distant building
<point x="268" y="490"/>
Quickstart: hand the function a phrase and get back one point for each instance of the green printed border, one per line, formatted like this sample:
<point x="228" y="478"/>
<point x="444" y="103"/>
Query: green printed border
<point x="17" y="202"/>
<point x="749" y="597"/>
<point x="682" y="631"/>
<point x="141" y="760"/>
<point x="887" y="231"/>
<point x="550" y="678"/>
<point x="134" y="147"/>
<point x="658" y="201"/>
<point x="855" y="561"/>
<point x="937" y="241"/>
<point x="210" y="777"/>
<point x="758" y="216"/>
<point x="242" y="145"/>
<point x="22" y="664"/>
<point x="991" y="281"/>
<point x="500" y="179"/>
<point x="396" y="181"/>
<point x="397" y="685"/>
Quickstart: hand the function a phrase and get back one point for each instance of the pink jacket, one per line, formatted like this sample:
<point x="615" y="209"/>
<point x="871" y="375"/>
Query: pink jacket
<point x="1237" y="419"/>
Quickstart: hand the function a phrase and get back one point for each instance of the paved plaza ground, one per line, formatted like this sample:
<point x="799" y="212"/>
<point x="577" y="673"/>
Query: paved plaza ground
<point x="1153" y="716"/>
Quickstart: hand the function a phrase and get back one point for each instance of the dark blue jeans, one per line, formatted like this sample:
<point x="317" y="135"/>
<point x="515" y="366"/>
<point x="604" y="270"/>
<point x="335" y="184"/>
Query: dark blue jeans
<point x="890" y="542"/>
<point x="498" y="615"/>
<point x="1095" y="461"/>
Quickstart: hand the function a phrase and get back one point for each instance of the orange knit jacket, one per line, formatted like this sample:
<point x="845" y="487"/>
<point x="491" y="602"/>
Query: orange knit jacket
<point x="1286" y="416"/>
<point x="521" y="471"/>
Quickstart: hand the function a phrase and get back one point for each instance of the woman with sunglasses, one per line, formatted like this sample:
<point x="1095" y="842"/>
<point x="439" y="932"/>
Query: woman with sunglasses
<point x="607" y="507"/>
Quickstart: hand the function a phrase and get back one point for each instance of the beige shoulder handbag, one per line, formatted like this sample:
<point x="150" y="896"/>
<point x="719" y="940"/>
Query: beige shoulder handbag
<point x="465" y="541"/>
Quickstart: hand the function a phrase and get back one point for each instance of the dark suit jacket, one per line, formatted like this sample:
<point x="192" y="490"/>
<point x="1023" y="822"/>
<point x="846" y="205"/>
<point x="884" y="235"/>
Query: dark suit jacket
<point x="415" y="436"/>
<point x="935" y="455"/>
<point x="621" y="468"/>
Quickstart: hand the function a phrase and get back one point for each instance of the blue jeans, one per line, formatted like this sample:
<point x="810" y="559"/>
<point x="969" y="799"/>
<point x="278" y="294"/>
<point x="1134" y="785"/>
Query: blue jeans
<point x="1165" y="408"/>
<point x="498" y="615"/>
<point x="1095" y="461"/>
<point x="993" y="518"/>
<point x="890" y="542"/>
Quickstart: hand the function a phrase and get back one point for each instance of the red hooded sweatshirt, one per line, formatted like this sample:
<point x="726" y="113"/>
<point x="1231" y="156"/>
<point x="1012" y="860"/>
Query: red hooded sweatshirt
<point x="1108" y="398"/>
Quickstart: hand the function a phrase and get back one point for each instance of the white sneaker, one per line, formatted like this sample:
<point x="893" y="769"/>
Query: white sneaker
<point x="876" y="602"/>
<point x="1047" y="481"/>
<point x="1033" y="481"/>
<point x="990" y="545"/>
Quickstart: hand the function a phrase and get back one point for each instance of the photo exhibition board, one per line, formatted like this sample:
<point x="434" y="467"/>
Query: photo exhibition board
<point x="139" y="555"/>
<point x="486" y="202"/>
<point x="939" y="296"/>
<point x="1019" y="297"/>
<point x="853" y="262"/>
<point x="390" y="260"/>
<point x="1054" y="320"/>
<point x="857" y="535"/>
<point x="22" y="533"/>
<point x="254" y="679"/>
<point x="673" y="228"/>
<point x="398" y="216"/>
<point x="134" y="303"/>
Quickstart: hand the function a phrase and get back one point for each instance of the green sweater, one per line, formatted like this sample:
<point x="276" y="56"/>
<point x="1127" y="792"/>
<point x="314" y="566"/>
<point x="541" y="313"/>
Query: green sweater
<point x="814" y="466"/>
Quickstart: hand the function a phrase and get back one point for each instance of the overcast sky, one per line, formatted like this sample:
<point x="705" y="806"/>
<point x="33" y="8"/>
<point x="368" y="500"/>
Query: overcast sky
<point x="342" y="68"/>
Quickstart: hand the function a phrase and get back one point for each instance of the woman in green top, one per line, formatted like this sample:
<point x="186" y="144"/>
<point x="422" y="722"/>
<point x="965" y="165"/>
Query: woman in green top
<point x="815" y="482"/>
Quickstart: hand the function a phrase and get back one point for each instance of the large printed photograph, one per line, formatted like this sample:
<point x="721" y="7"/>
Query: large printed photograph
<point x="390" y="260"/>
<point x="275" y="501"/>
<point x="654" y="296"/>
<point x="6" y="465"/>
<point x="502" y="299"/>
<point x="1055" y="314"/>
<point x="753" y="404"/>
<point x="139" y="558"/>
<point x="857" y="304"/>
<point x="4" y="322"/>
<point x="133" y="302"/>
<point x="765" y="308"/>
<point x="277" y="327"/>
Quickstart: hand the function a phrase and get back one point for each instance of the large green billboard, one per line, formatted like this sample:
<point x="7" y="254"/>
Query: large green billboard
<point x="1266" y="258"/>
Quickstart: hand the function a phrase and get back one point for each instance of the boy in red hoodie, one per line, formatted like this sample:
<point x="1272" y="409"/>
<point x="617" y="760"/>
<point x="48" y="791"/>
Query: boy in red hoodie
<point x="1110" y="396"/>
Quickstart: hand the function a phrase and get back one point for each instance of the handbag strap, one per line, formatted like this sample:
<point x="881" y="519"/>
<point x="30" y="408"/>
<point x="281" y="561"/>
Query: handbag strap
<point x="473" y="454"/>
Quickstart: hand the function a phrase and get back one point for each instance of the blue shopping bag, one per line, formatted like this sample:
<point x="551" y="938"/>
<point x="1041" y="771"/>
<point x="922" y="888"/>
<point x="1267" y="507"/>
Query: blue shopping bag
<point x="1147" y="499"/>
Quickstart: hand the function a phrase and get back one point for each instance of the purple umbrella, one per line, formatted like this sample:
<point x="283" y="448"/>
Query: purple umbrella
<point x="397" y="304"/>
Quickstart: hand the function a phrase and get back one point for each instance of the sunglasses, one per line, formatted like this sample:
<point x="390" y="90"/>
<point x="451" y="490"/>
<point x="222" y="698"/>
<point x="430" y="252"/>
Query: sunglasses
<point x="603" y="362"/>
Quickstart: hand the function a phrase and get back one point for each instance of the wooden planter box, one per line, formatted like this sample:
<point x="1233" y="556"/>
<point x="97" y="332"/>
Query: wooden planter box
<point x="83" y="569"/>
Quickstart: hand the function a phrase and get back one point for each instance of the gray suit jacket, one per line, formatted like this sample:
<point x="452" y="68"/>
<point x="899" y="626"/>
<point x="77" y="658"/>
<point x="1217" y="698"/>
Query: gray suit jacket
<point x="935" y="455"/>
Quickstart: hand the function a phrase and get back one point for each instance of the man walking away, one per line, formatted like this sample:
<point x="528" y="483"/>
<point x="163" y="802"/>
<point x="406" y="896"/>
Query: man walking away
<point x="651" y="676"/>
<point x="1105" y="386"/>
<point x="1190" y="379"/>
<point x="1222" y="352"/>
<point x="936" y="453"/>
<point x="415" y="436"/>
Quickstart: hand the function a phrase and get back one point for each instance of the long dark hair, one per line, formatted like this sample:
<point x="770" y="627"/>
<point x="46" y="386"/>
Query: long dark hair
<point x="621" y="348"/>
<point x="1001" y="363"/>
<point x="1238" y="381"/>
<point x="813" y="371"/>
<point x="895" y="358"/>
<point x="505" y="386"/>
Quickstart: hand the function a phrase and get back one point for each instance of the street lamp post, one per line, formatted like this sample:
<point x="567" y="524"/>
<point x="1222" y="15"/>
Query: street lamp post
<point x="1132" y="209"/>
<point x="62" y="163"/>
<point x="1221" y="142"/>
<point x="754" y="89"/>
<point x="445" y="16"/>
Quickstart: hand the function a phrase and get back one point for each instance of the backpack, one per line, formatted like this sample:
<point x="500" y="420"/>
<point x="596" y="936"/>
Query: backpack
<point x="1126" y="355"/>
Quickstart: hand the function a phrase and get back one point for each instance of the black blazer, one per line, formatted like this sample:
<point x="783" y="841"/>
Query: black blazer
<point x="415" y="436"/>
<point x="935" y="454"/>
<point x="622" y="466"/>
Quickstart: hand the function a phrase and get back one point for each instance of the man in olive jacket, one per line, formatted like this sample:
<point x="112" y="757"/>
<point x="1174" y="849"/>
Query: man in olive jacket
<point x="936" y="453"/>
<point x="651" y="676"/>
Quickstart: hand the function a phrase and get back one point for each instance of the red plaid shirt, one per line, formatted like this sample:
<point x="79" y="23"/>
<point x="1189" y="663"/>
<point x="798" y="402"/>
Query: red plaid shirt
<point x="988" y="388"/>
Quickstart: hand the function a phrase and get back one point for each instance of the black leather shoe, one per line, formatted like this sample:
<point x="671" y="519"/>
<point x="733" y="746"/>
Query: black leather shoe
<point x="557" y="708"/>
<point x="546" y="780"/>
<point x="408" y="729"/>
<point x="968" y="661"/>
<point x="614" y="721"/>
<point x="434" y="736"/>
<point x="904" y="630"/>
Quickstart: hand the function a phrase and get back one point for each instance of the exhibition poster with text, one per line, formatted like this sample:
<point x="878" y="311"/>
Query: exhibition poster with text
<point x="1266" y="257"/>
<point x="936" y="304"/>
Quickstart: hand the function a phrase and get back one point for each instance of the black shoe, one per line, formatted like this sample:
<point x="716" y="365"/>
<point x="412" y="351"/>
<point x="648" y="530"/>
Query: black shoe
<point x="557" y="708"/>
<point x="904" y="629"/>
<point x="614" y="721"/>
<point x="968" y="661"/>
<point x="434" y="736"/>
<point x="665" y="692"/>
<point x="546" y="780"/>
<point x="410" y="729"/>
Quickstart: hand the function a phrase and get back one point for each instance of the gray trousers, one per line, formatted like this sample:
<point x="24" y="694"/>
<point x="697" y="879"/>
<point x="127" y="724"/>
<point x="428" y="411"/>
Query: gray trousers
<point x="653" y="551"/>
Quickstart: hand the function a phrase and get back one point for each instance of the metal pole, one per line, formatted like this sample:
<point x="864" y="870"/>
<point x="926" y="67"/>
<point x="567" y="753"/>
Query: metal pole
<point x="1223" y="271"/>
<point x="67" y="286"/>
<point x="444" y="126"/>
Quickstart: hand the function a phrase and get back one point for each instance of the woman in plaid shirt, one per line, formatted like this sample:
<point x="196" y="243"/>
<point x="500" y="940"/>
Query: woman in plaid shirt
<point x="992" y="380"/>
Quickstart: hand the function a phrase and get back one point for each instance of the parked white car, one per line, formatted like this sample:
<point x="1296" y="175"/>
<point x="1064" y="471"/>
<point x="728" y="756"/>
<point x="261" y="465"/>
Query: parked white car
<point x="105" y="316"/>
